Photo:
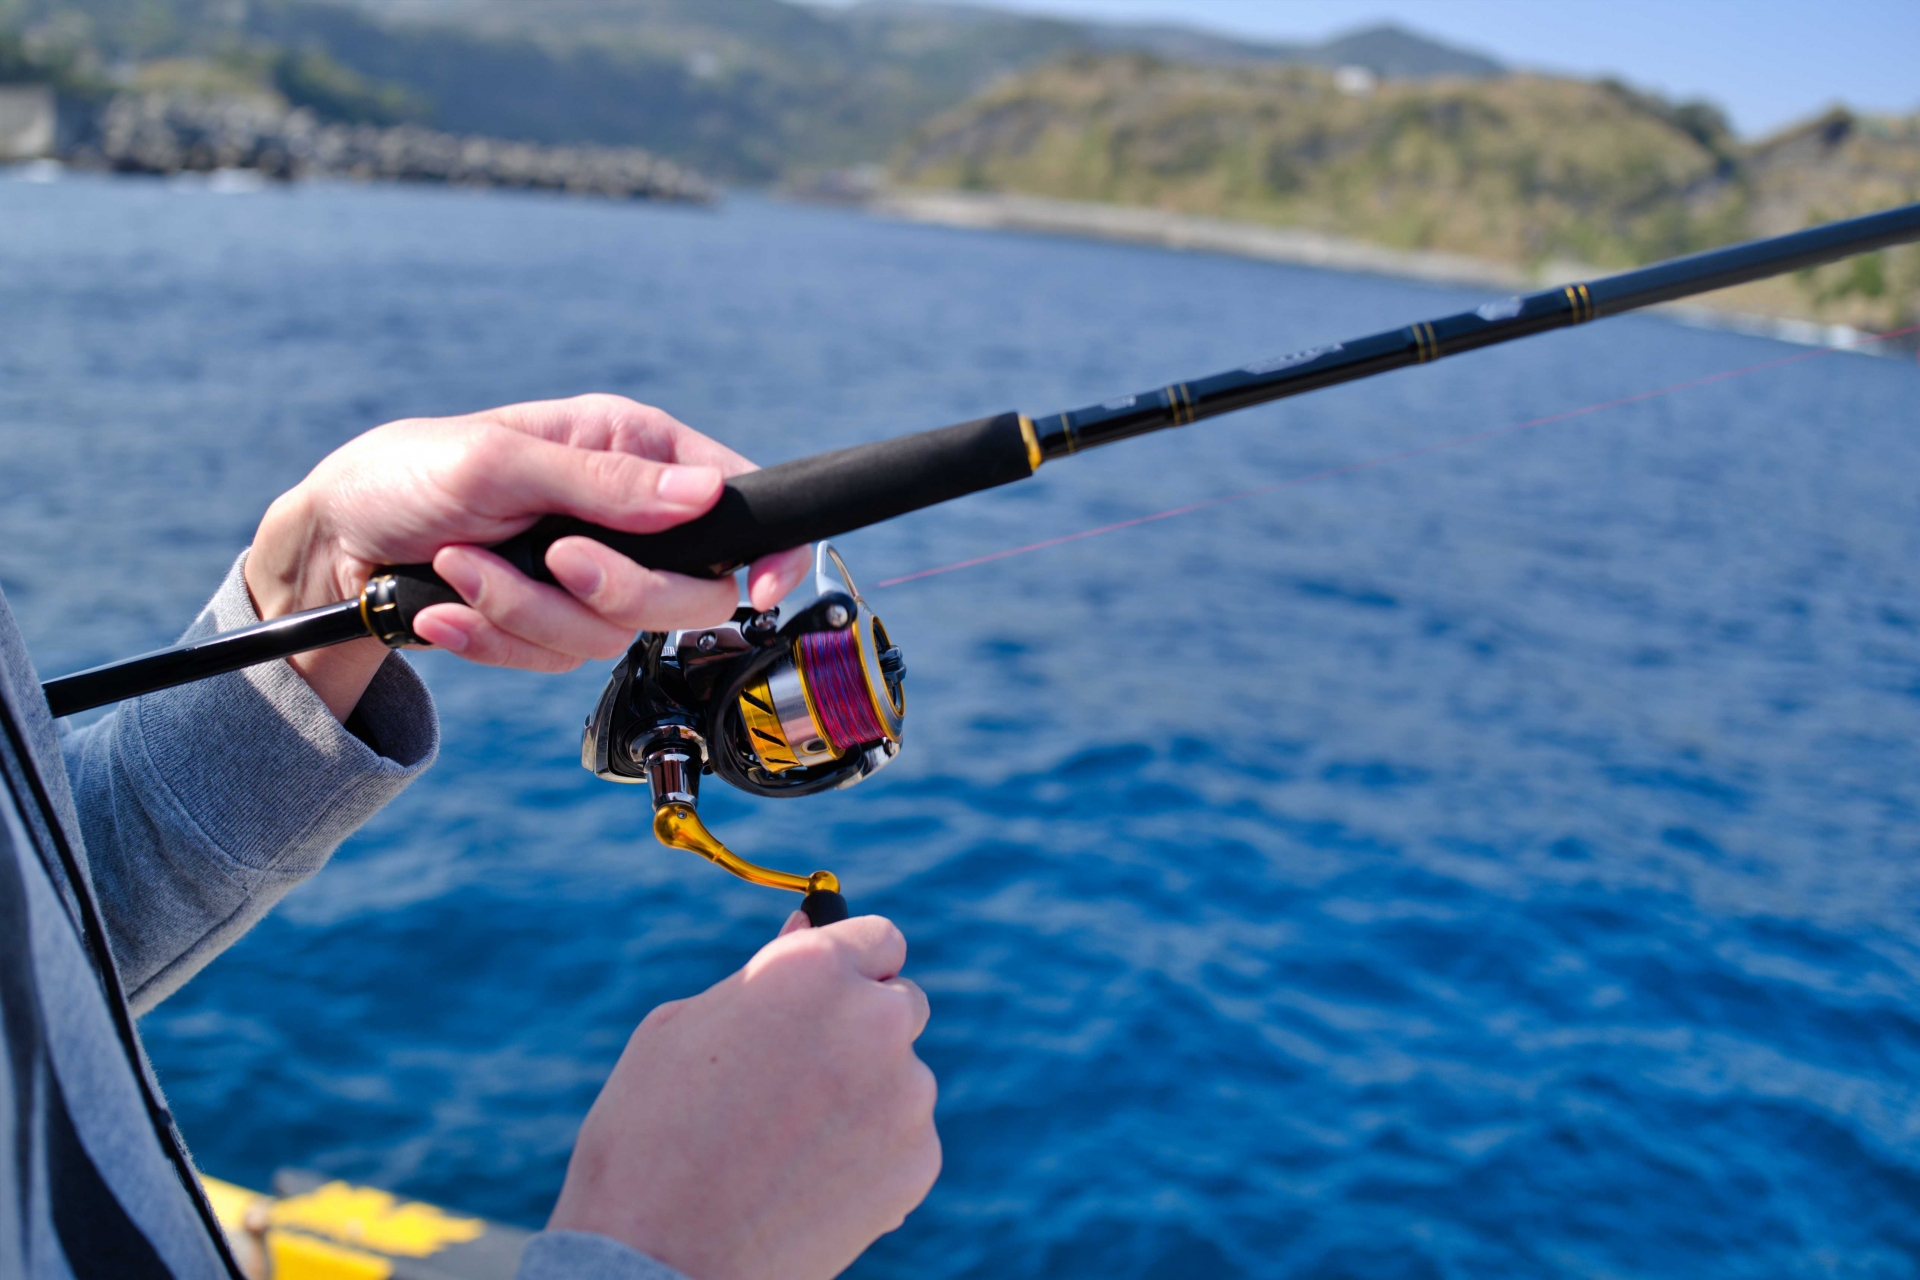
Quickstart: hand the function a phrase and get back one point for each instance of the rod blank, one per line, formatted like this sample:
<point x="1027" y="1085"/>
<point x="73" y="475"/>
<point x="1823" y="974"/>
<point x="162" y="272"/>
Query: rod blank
<point x="1180" y="403"/>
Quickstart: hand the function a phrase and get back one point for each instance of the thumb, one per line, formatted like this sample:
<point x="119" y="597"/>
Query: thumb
<point x="636" y="495"/>
<point x="795" y="922"/>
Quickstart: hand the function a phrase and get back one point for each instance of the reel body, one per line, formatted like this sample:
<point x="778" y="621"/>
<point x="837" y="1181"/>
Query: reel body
<point x="781" y="710"/>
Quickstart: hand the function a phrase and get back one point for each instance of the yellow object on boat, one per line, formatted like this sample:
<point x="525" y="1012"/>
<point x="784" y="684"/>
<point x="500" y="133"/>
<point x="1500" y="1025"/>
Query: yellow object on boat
<point x="336" y="1231"/>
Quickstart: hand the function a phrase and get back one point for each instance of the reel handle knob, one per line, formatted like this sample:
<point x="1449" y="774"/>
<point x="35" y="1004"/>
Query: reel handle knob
<point x="824" y="907"/>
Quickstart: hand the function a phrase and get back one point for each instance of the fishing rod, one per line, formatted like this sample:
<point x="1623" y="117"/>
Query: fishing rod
<point x="817" y="702"/>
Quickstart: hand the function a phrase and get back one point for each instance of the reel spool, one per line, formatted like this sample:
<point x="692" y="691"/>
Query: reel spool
<point x="776" y="710"/>
<point x="838" y="692"/>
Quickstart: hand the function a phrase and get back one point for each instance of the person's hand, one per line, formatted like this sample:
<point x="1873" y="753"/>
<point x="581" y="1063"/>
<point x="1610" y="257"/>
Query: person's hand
<point x="438" y="489"/>
<point x="773" y="1126"/>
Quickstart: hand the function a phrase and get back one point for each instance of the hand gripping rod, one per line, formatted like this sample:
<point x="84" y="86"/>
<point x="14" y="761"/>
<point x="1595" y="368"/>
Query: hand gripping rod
<point x="834" y="493"/>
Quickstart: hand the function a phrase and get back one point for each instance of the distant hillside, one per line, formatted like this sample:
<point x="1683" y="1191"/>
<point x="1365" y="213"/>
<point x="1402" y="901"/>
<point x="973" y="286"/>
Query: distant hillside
<point x="978" y="39"/>
<point x="750" y="90"/>
<point x="1837" y="165"/>
<point x="985" y="40"/>
<point x="1518" y="169"/>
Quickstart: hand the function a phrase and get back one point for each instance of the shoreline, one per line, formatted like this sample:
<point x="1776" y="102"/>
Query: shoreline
<point x="1193" y="233"/>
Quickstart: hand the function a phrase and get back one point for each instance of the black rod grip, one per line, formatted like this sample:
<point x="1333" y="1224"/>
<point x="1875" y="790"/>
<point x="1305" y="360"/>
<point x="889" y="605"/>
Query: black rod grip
<point x="765" y="511"/>
<point x="824" y="907"/>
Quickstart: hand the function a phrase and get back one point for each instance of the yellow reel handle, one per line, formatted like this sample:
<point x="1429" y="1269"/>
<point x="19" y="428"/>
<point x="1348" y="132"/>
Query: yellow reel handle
<point x="678" y="826"/>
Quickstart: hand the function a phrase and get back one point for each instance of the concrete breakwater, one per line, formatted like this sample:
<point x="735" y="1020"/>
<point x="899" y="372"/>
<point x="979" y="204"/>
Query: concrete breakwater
<point x="27" y="119"/>
<point x="152" y="133"/>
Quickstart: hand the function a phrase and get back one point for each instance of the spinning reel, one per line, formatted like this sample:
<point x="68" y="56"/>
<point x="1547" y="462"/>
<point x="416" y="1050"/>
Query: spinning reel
<point x="778" y="710"/>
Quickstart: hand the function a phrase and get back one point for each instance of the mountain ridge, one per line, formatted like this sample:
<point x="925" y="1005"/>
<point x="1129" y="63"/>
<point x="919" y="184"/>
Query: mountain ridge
<point x="746" y="90"/>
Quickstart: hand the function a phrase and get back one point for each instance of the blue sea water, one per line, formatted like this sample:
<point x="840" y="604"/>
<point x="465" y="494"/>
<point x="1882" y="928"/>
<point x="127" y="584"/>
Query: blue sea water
<point x="1498" y="862"/>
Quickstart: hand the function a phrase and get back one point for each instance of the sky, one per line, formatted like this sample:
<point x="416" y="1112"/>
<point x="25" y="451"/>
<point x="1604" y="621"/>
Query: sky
<point x="1766" y="62"/>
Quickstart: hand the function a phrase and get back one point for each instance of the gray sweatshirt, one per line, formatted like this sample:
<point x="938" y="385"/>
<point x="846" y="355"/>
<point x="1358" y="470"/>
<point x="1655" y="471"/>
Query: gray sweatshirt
<point x="161" y="833"/>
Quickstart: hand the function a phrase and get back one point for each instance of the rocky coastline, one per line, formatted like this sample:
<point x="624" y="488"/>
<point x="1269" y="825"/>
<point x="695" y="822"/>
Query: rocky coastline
<point x="168" y="134"/>
<point x="1004" y="211"/>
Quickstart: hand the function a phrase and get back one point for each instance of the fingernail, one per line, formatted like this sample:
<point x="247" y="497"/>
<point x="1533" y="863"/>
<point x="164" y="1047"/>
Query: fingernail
<point x="577" y="571"/>
<point x="688" y="486"/>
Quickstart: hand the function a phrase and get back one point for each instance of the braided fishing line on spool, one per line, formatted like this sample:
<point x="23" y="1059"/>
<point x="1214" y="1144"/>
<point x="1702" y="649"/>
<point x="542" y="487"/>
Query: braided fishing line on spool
<point x="837" y="679"/>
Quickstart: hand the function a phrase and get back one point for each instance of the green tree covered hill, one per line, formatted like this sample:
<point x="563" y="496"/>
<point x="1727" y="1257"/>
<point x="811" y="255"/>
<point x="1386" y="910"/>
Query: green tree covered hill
<point x="1518" y="169"/>
<point x="749" y="90"/>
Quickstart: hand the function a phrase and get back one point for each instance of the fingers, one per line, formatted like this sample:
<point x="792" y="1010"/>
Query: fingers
<point x="869" y="945"/>
<point x="918" y="1008"/>
<point x="644" y="599"/>
<point x="513" y="474"/>
<point x="545" y="617"/>
<point x="874" y="944"/>
<point x="626" y="465"/>
<point x="635" y="598"/>
<point x="617" y="423"/>
<point x="475" y="480"/>
<point x="515" y="621"/>
<point x="461" y="630"/>
<point x="607" y="598"/>
<point x="878" y="950"/>
<point x="772" y="577"/>
<point x="660" y="1015"/>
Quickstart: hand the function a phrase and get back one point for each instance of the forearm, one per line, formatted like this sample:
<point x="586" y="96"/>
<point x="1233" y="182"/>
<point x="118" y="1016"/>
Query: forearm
<point x="203" y="805"/>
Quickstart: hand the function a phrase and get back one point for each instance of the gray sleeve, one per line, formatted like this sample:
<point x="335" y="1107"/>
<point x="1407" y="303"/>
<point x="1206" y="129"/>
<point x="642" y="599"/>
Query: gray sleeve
<point x="576" y="1255"/>
<point x="201" y="806"/>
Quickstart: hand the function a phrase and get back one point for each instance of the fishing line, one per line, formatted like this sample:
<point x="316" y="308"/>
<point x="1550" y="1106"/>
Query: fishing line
<point x="1383" y="460"/>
